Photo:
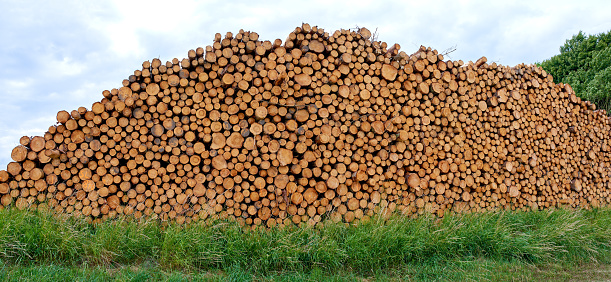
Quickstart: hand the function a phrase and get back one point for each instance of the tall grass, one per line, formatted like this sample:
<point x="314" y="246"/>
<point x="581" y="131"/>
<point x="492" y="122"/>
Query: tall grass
<point x="34" y="238"/>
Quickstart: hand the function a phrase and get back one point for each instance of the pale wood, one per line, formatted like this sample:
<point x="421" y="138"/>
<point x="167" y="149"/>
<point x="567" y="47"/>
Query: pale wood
<point x="322" y="125"/>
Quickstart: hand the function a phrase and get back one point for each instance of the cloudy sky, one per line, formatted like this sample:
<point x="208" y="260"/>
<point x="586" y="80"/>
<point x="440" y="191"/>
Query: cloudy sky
<point x="60" y="55"/>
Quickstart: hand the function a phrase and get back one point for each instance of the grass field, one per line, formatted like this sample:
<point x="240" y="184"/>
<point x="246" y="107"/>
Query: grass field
<point x="503" y="246"/>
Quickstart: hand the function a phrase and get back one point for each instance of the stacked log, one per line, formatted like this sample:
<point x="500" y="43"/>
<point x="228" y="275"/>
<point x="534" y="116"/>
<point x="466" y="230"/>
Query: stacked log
<point x="323" y="126"/>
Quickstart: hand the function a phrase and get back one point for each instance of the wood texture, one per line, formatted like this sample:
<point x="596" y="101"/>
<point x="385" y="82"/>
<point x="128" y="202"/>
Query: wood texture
<point x="324" y="125"/>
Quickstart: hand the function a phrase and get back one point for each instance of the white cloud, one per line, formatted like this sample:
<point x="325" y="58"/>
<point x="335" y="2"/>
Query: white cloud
<point x="13" y="86"/>
<point x="65" y="67"/>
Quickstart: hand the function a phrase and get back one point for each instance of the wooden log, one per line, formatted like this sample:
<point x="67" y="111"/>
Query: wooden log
<point x="19" y="153"/>
<point x="303" y="79"/>
<point x="389" y="72"/>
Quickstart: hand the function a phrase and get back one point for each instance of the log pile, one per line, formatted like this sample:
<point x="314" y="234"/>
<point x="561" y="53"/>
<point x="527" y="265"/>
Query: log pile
<point x="323" y="126"/>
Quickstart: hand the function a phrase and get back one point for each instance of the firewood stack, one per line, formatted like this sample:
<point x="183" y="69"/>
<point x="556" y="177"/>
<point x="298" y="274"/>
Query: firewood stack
<point x="323" y="126"/>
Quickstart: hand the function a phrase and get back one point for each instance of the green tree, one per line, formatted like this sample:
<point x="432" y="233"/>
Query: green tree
<point x="584" y="62"/>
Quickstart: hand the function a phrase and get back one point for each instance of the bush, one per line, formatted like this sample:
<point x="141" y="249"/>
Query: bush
<point x="584" y="62"/>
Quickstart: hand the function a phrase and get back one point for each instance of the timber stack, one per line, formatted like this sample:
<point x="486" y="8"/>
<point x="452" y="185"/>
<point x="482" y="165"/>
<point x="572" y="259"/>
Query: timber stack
<point x="336" y="126"/>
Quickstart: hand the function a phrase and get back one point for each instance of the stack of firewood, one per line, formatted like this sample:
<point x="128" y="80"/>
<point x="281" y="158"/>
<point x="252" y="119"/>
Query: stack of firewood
<point x="323" y="126"/>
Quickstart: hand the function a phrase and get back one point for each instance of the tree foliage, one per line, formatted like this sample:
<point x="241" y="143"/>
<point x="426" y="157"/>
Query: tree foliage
<point x="584" y="62"/>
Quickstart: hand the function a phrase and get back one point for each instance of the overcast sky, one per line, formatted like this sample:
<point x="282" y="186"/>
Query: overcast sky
<point x="60" y="55"/>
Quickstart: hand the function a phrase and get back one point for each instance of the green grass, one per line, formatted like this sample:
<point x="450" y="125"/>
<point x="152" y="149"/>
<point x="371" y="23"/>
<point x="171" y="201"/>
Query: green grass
<point x="491" y="246"/>
<point x="477" y="270"/>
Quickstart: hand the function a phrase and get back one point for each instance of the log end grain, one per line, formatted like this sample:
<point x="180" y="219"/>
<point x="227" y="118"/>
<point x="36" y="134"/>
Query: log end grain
<point x="235" y="140"/>
<point x="218" y="141"/>
<point x="514" y="191"/>
<point x="413" y="180"/>
<point x="303" y="79"/>
<point x="316" y="46"/>
<point x="219" y="162"/>
<point x="310" y="195"/>
<point x="576" y="185"/>
<point x="19" y="153"/>
<point x="63" y="117"/>
<point x="285" y="156"/>
<point x="389" y="72"/>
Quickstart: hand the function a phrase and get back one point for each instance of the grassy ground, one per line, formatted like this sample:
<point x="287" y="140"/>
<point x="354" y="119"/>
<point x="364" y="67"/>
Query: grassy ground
<point x="505" y="246"/>
<point x="477" y="270"/>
